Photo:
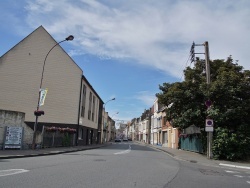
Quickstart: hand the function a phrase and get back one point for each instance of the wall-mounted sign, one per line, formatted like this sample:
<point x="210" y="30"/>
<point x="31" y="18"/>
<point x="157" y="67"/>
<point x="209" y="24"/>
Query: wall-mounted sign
<point x="13" y="137"/>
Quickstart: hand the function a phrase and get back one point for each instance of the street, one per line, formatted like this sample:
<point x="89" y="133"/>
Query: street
<point x="120" y="165"/>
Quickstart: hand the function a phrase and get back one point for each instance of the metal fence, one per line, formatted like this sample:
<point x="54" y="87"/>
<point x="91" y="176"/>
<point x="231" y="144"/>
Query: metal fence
<point x="191" y="143"/>
<point x="58" y="139"/>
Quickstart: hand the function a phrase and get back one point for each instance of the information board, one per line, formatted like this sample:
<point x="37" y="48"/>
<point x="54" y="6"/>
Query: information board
<point x="13" y="137"/>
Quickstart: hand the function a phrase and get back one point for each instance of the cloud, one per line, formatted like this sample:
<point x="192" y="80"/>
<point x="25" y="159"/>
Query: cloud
<point x="156" y="34"/>
<point x="146" y="98"/>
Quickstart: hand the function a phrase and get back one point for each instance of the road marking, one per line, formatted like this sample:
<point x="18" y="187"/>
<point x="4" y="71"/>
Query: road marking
<point x="12" y="172"/>
<point x="235" y="166"/>
<point x="239" y="176"/>
<point x="228" y="171"/>
<point x="124" y="152"/>
<point x="248" y="182"/>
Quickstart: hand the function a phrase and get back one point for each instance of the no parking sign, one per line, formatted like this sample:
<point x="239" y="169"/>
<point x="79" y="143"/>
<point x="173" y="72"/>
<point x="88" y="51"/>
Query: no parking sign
<point x="209" y="125"/>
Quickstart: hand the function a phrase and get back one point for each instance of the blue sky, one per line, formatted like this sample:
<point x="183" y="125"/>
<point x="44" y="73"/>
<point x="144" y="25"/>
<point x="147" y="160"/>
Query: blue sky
<point x="126" y="48"/>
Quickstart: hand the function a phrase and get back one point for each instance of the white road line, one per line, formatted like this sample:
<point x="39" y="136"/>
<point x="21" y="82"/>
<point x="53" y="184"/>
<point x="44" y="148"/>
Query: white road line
<point x="228" y="171"/>
<point x="12" y="172"/>
<point x="248" y="182"/>
<point x="124" y="152"/>
<point x="234" y="166"/>
<point x="239" y="176"/>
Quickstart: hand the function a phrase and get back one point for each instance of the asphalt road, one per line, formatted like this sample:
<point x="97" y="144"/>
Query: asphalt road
<point x="120" y="165"/>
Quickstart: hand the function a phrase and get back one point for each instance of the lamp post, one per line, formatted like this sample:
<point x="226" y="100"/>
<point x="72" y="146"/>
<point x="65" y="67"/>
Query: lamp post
<point x="38" y="112"/>
<point x="112" y="124"/>
<point x="114" y="114"/>
<point x="149" y="126"/>
<point x="108" y="101"/>
<point x="104" y="114"/>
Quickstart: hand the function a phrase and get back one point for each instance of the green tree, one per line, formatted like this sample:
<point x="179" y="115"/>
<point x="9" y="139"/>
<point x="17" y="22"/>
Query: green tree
<point x="229" y="92"/>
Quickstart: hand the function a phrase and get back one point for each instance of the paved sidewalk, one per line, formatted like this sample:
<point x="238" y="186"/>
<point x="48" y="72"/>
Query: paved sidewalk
<point x="8" y="154"/>
<point x="199" y="158"/>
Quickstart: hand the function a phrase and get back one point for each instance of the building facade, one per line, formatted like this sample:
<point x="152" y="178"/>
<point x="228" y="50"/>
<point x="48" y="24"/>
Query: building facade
<point x="89" y="120"/>
<point x="71" y="102"/>
<point x="20" y="76"/>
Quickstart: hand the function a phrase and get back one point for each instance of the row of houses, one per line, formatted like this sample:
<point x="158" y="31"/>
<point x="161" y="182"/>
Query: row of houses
<point x="152" y="127"/>
<point x="74" y="112"/>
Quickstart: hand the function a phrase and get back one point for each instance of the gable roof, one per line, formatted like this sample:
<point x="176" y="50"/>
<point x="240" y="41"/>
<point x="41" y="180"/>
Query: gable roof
<point x="40" y="27"/>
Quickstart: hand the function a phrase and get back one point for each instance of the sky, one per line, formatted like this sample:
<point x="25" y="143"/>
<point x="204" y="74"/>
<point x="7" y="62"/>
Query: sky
<point x="127" y="48"/>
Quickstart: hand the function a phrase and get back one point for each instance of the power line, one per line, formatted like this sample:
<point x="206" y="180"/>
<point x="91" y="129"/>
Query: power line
<point x="185" y="66"/>
<point x="192" y="55"/>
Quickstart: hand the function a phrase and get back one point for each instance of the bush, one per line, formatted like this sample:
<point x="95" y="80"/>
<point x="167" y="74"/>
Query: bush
<point x="66" y="140"/>
<point x="231" y="145"/>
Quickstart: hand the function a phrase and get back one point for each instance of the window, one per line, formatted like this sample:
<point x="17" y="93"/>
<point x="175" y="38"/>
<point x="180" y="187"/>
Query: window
<point x="80" y="133"/>
<point x="83" y="100"/>
<point x="90" y="105"/>
<point x="93" y="109"/>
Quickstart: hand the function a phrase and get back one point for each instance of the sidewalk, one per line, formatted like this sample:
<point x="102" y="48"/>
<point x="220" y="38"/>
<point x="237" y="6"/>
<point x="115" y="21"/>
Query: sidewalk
<point x="193" y="157"/>
<point x="8" y="154"/>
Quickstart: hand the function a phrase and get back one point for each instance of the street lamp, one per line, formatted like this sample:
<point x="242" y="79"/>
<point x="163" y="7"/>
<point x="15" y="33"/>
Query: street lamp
<point x="104" y="114"/>
<point x="38" y="112"/>
<point x="114" y="114"/>
<point x="108" y="101"/>
<point x="112" y="127"/>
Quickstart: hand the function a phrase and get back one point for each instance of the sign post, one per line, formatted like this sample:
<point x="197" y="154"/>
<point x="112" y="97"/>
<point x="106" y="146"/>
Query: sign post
<point x="209" y="129"/>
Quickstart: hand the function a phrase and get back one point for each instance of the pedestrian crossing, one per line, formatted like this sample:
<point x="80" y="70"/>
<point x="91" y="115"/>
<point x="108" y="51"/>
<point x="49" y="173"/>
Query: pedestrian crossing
<point x="245" y="175"/>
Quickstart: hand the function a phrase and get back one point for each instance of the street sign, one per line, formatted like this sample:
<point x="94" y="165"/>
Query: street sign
<point x="209" y="129"/>
<point x="209" y="125"/>
<point x="208" y="103"/>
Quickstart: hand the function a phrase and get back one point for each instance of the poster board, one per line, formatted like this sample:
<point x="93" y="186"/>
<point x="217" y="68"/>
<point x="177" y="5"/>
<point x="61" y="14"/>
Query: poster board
<point x="13" y="137"/>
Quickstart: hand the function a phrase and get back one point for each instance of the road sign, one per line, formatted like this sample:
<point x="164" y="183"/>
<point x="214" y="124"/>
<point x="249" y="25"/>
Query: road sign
<point x="209" y="123"/>
<point x="208" y="103"/>
<point x="209" y="129"/>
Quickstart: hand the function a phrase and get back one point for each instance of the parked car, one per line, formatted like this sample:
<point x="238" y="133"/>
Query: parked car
<point x="129" y="139"/>
<point x="118" y="140"/>
<point x="125" y="139"/>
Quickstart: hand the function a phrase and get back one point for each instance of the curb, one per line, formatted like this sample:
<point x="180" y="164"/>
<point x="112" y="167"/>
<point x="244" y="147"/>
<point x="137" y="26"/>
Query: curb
<point x="171" y="154"/>
<point x="51" y="153"/>
<point x="194" y="161"/>
<point x="234" y="166"/>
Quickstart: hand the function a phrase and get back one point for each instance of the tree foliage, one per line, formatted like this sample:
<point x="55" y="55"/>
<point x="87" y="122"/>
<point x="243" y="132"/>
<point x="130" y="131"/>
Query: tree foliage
<point x="229" y="92"/>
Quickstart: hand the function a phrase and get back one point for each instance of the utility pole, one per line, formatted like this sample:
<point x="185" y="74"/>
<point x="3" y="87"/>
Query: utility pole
<point x="209" y="133"/>
<point x="209" y="122"/>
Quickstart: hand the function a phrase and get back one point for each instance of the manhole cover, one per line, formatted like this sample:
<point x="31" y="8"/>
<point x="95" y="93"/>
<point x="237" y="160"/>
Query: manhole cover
<point x="192" y="161"/>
